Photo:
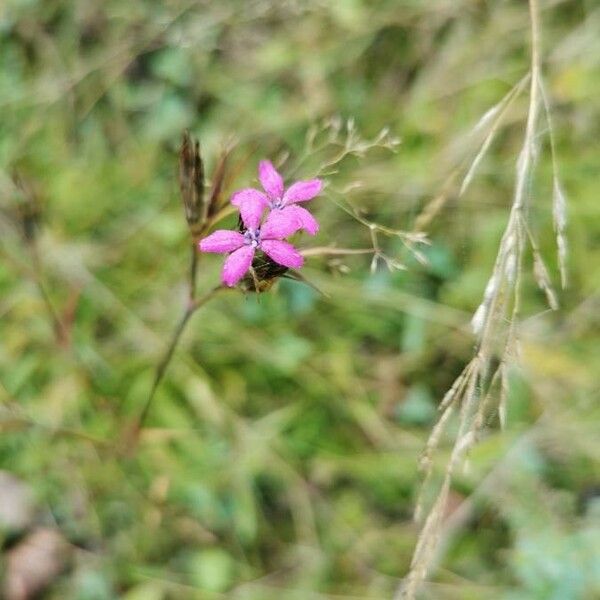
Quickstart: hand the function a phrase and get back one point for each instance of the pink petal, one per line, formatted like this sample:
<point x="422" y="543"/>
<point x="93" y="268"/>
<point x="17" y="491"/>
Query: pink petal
<point x="236" y="265"/>
<point x="307" y="221"/>
<point x="222" y="240"/>
<point x="282" y="253"/>
<point x="249" y="195"/>
<point x="270" y="179"/>
<point x="251" y="213"/>
<point x="301" y="191"/>
<point x="280" y="224"/>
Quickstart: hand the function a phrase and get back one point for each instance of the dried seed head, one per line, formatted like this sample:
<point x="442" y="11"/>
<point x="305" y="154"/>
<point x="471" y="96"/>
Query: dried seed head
<point x="542" y="278"/>
<point x="215" y="202"/>
<point x="479" y="319"/>
<point x="559" y="214"/>
<point x="191" y="183"/>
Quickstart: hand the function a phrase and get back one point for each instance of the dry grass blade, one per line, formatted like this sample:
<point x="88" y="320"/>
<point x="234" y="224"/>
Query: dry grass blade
<point x="496" y="114"/>
<point x="559" y="200"/>
<point x="484" y="381"/>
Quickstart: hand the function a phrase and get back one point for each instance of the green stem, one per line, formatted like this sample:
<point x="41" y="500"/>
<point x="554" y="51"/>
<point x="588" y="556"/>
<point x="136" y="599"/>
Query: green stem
<point x="194" y="259"/>
<point x="161" y="368"/>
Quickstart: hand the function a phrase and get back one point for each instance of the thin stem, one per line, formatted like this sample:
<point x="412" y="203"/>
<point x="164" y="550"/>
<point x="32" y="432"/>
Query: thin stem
<point x="161" y="368"/>
<point x="527" y="156"/>
<point x="526" y="159"/>
<point x="194" y="259"/>
<point x="332" y="251"/>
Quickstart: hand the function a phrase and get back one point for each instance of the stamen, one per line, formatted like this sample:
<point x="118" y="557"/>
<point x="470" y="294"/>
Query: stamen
<point x="252" y="237"/>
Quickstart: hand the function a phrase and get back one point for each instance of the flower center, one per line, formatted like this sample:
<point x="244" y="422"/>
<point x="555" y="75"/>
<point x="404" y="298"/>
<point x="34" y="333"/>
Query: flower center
<point x="276" y="203"/>
<point x="252" y="237"/>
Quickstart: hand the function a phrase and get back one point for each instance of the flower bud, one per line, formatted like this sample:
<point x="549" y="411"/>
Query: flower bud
<point x="263" y="275"/>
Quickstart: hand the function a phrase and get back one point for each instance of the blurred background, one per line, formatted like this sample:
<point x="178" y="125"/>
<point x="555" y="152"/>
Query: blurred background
<point x="280" y="456"/>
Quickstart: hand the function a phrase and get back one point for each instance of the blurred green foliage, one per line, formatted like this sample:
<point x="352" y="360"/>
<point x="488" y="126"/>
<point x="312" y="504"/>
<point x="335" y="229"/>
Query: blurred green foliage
<point x="280" y="457"/>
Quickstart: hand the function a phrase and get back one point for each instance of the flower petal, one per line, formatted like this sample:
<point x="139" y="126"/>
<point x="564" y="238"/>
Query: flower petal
<point x="270" y="179"/>
<point x="301" y="191"/>
<point x="236" y="265"/>
<point x="249" y="195"/>
<point x="280" y="224"/>
<point x="251" y="213"/>
<point x="222" y="240"/>
<point x="307" y="221"/>
<point x="282" y="253"/>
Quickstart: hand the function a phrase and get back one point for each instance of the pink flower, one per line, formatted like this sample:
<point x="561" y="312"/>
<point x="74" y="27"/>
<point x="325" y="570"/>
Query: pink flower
<point x="243" y="245"/>
<point x="279" y="199"/>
